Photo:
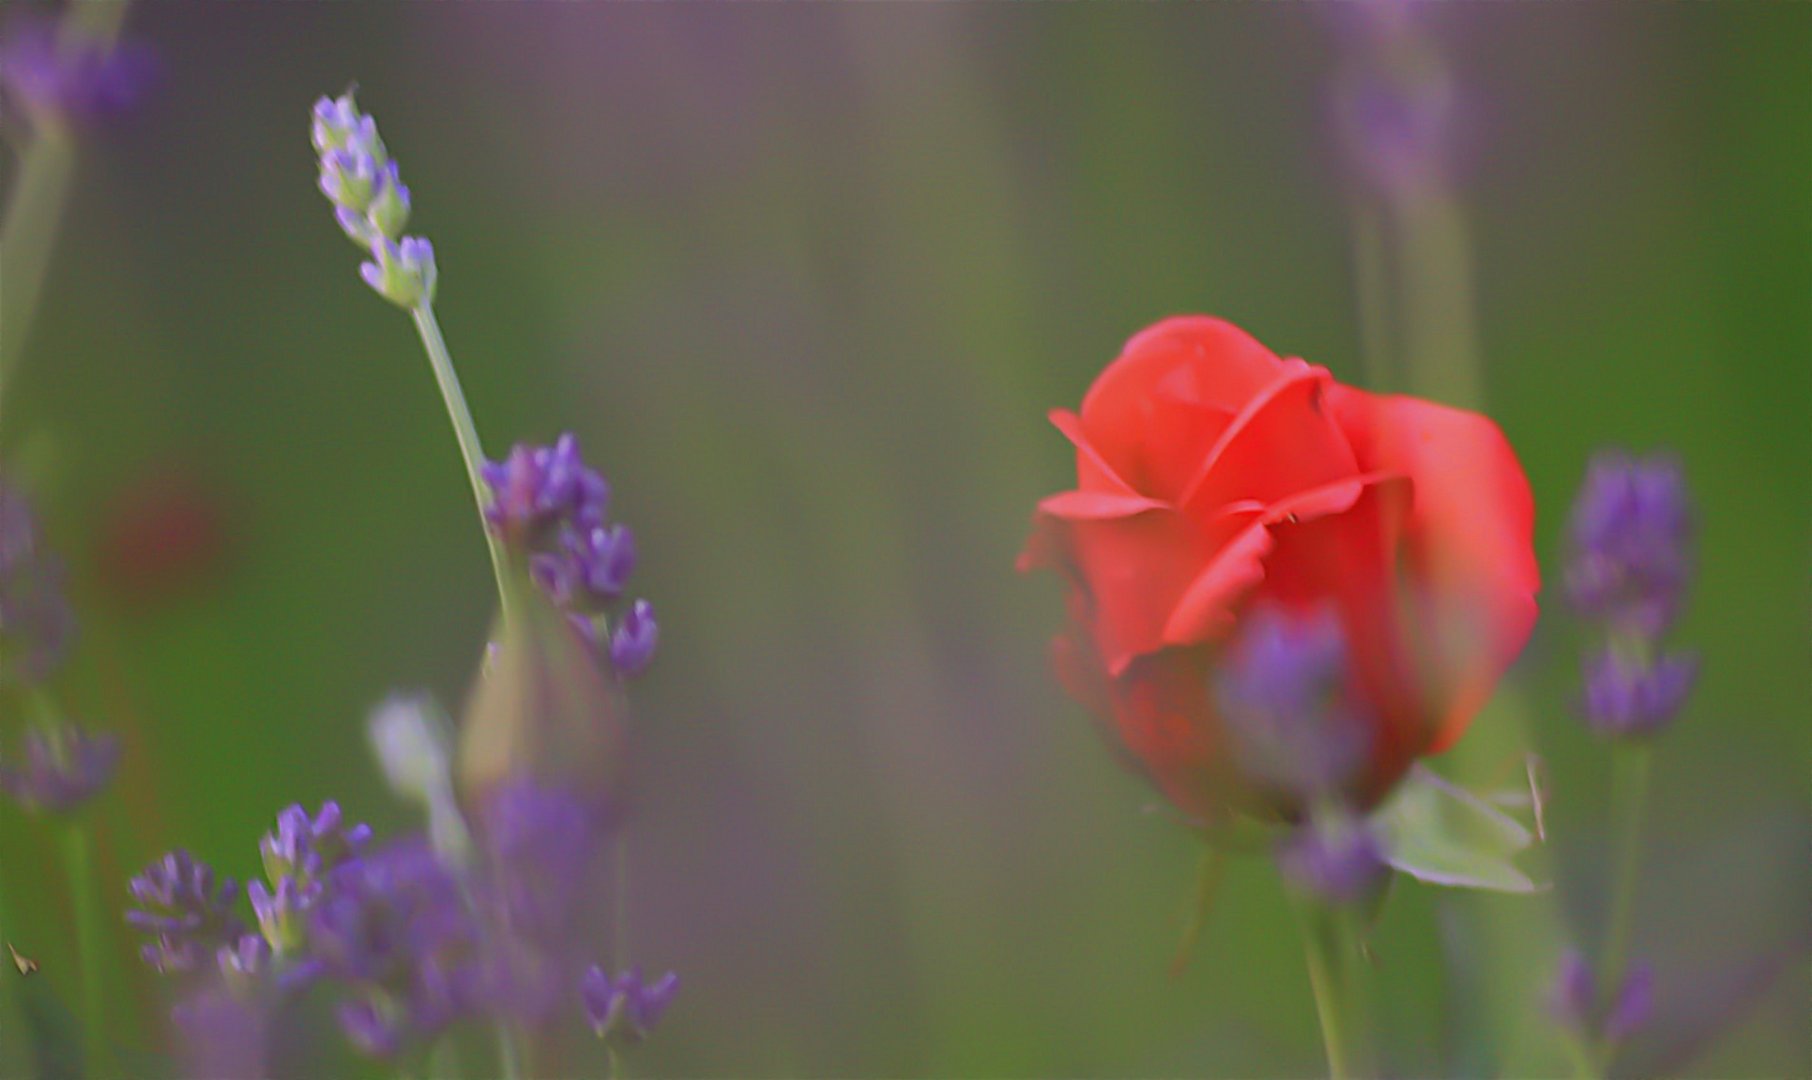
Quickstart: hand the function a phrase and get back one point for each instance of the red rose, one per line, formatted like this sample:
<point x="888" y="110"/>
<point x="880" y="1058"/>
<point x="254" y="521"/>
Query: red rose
<point x="1213" y="476"/>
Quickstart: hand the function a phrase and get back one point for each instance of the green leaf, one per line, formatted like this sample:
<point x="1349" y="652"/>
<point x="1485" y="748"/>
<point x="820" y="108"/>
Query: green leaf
<point x="1444" y="835"/>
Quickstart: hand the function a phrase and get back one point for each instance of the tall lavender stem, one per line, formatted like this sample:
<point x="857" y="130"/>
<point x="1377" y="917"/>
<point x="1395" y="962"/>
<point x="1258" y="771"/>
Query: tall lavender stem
<point x="1629" y="792"/>
<point x="35" y="210"/>
<point x="465" y="431"/>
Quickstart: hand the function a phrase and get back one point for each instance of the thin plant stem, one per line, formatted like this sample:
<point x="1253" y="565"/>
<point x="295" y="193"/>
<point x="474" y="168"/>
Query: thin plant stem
<point x="1371" y="286"/>
<point x="78" y="856"/>
<point x="1322" y="942"/>
<point x="34" y="212"/>
<point x="1629" y="795"/>
<point x="470" y="449"/>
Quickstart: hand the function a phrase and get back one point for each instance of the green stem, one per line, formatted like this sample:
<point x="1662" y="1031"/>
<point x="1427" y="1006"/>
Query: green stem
<point x="1324" y="942"/>
<point x="1629" y="798"/>
<point x="466" y="432"/>
<point x="27" y="236"/>
<point x="78" y="855"/>
<point x="35" y="210"/>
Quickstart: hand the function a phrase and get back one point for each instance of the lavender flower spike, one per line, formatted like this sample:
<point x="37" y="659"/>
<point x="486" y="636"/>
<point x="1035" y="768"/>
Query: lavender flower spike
<point x="371" y="202"/>
<point x="64" y="768"/>
<point x="1631" y="696"/>
<point x="1630" y="530"/>
<point x="187" y="910"/>
<point x="624" y="1011"/>
<point x="36" y="624"/>
<point x="632" y="646"/>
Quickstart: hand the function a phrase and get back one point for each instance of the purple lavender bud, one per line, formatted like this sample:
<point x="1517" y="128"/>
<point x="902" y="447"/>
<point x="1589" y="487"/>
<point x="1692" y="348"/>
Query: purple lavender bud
<point x="1284" y="697"/>
<point x="188" y="912"/>
<point x="1634" y="1005"/>
<point x="1341" y="863"/>
<point x="632" y="645"/>
<point x="604" y="558"/>
<point x="1630" y="533"/>
<point x="64" y="768"/>
<point x="280" y="913"/>
<point x="540" y="491"/>
<point x="624" y="1011"/>
<point x="49" y="75"/>
<point x="310" y="848"/>
<point x="36" y="623"/>
<point x="402" y="273"/>
<point x="1573" y="999"/>
<point x="369" y="1030"/>
<point x="389" y="209"/>
<point x="1632" y="697"/>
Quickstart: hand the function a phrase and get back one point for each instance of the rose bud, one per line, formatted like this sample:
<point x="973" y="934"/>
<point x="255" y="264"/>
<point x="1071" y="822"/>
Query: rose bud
<point x="1216" y="481"/>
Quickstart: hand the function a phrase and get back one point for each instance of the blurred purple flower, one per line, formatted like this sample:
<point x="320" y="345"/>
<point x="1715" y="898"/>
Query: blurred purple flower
<point x="1340" y="863"/>
<point x="1634" y="1004"/>
<point x="1282" y="692"/>
<point x="624" y="1011"/>
<point x="50" y="74"/>
<point x="1395" y="105"/>
<point x="1630" y="533"/>
<point x="1573" y="999"/>
<point x="36" y="623"/>
<point x="632" y="645"/>
<point x="222" y="1033"/>
<point x="1633" y="696"/>
<point x="64" y="768"/>
<point x="186" y="909"/>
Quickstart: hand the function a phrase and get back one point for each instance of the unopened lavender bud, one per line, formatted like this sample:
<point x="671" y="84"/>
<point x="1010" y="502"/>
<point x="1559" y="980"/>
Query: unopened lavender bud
<point x="402" y="273"/>
<point x="1339" y="862"/>
<point x="280" y="913"/>
<point x="389" y="209"/>
<point x="632" y="644"/>
<point x="1634" y="1005"/>
<point x="244" y="963"/>
<point x="348" y="179"/>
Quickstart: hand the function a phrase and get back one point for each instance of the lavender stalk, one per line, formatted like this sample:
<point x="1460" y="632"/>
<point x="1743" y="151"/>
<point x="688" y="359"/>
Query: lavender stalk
<point x="35" y="210"/>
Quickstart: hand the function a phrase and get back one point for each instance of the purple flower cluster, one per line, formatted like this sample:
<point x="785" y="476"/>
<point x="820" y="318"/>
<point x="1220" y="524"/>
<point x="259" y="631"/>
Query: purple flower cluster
<point x="550" y="507"/>
<point x="186" y="909"/>
<point x="49" y="73"/>
<point x="409" y="941"/>
<point x="1627" y="569"/>
<point x="1575" y="1001"/>
<point x="623" y="1011"/>
<point x="65" y="767"/>
<point x="371" y="202"/>
<point x="36" y="623"/>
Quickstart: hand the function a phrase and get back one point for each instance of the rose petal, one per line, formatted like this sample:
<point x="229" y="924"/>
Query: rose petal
<point x="1281" y="443"/>
<point x="1469" y="562"/>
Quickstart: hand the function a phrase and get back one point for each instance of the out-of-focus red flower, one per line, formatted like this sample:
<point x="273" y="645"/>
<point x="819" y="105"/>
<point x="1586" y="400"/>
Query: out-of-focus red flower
<point x="162" y="538"/>
<point x="1214" y="477"/>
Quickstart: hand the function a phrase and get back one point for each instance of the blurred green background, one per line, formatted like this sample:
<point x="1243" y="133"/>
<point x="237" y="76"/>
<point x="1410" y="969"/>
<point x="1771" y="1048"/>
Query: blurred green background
<point x="805" y="279"/>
